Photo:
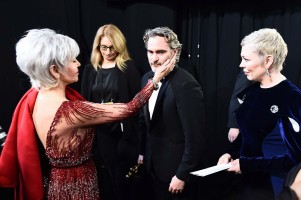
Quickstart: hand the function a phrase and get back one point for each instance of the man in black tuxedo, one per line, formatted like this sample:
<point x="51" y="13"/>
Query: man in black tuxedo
<point x="172" y="123"/>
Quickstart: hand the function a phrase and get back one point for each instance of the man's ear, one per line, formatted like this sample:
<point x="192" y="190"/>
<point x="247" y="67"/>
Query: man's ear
<point x="175" y="51"/>
<point x="54" y="71"/>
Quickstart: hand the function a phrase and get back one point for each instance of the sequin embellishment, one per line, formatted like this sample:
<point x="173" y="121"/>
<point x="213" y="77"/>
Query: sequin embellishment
<point x="73" y="174"/>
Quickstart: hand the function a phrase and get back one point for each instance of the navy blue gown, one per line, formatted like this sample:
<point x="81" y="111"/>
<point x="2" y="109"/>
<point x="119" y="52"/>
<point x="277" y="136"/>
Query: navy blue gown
<point x="269" y="120"/>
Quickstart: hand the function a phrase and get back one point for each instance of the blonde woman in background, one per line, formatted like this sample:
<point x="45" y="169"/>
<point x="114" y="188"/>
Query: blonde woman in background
<point x="112" y="77"/>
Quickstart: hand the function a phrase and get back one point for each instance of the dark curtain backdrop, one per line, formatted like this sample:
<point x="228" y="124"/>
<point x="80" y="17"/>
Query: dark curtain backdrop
<point x="210" y="31"/>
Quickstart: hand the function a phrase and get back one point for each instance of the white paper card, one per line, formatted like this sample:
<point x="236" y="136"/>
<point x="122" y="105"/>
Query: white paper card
<point x="211" y="170"/>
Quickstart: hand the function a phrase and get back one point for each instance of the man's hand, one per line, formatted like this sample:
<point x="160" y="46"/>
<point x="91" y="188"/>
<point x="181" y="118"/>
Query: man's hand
<point x="176" y="185"/>
<point x="232" y="134"/>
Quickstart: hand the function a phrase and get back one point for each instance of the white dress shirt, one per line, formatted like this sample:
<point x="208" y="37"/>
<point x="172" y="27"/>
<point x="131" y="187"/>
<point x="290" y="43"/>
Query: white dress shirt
<point x="152" y="100"/>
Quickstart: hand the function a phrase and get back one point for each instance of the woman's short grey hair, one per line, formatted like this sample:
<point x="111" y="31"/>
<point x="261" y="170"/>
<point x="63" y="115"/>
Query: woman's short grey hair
<point x="268" y="41"/>
<point x="168" y="34"/>
<point x="40" y="49"/>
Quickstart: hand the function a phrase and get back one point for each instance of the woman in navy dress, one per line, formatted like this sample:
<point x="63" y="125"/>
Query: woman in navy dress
<point x="269" y="118"/>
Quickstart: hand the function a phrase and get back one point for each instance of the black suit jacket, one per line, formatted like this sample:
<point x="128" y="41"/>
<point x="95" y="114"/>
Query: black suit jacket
<point x="174" y="138"/>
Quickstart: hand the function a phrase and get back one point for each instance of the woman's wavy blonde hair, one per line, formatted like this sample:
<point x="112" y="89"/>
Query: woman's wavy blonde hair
<point x="118" y="40"/>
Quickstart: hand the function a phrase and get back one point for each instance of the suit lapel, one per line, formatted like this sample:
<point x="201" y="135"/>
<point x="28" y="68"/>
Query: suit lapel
<point x="162" y="90"/>
<point x="165" y="83"/>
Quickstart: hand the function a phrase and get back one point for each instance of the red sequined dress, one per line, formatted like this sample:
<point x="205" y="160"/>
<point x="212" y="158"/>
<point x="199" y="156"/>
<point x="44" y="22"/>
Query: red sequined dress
<point x="69" y="142"/>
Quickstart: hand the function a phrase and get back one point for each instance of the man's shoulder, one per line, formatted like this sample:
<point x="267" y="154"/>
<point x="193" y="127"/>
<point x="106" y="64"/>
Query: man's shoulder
<point x="184" y="75"/>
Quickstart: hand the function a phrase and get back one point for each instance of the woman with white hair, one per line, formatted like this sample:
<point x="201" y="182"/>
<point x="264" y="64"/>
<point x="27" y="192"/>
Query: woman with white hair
<point x="269" y="118"/>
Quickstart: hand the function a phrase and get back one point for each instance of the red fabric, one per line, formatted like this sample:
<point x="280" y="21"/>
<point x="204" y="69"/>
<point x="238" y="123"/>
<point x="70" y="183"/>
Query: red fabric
<point x="19" y="161"/>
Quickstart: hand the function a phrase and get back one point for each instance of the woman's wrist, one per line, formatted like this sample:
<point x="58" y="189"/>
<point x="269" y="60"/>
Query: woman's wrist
<point x="156" y="85"/>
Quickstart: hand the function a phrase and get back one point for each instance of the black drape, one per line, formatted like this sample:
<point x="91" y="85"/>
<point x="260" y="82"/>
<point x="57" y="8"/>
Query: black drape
<point x="210" y="31"/>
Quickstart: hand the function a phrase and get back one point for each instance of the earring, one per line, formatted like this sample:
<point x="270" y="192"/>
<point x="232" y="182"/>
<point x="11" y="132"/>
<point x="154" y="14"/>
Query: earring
<point x="268" y="73"/>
